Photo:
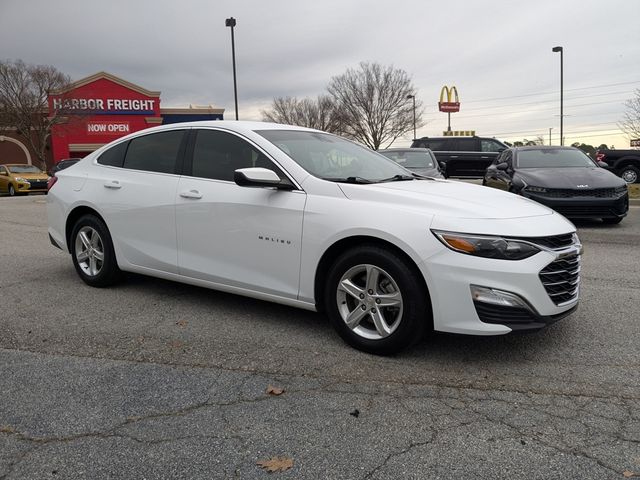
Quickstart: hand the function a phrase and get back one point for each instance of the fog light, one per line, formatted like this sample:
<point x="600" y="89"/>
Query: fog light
<point x="498" y="297"/>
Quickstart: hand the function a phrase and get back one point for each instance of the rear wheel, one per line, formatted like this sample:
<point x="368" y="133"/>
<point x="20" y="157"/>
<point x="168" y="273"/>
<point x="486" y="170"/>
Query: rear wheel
<point x="630" y="174"/>
<point x="376" y="300"/>
<point x="92" y="252"/>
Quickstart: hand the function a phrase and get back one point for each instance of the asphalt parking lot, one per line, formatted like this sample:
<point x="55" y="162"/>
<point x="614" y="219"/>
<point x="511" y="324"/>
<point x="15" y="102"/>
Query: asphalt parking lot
<point x="153" y="379"/>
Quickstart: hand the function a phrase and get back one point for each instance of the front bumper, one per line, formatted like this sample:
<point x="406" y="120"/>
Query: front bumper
<point x="584" y="207"/>
<point x="32" y="186"/>
<point x="449" y="276"/>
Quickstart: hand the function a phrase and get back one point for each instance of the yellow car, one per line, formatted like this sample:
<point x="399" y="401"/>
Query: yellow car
<point x="22" y="178"/>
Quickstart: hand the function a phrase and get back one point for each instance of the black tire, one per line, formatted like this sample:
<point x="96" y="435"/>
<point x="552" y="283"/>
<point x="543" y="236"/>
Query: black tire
<point x="108" y="272"/>
<point x="630" y="174"/>
<point x="12" y="190"/>
<point x="412" y="317"/>
<point x="612" y="221"/>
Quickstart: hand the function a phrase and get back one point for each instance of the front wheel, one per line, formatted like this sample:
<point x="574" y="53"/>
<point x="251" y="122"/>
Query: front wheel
<point x="630" y="174"/>
<point x="92" y="252"/>
<point x="12" y="190"/>
<point x="376" y="300"/>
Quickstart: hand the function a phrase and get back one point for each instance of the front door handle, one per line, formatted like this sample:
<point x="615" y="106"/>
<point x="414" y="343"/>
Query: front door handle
<point x="113" y="184"/>
<point x="195" y="194"/>
<point x="453" y="156"/>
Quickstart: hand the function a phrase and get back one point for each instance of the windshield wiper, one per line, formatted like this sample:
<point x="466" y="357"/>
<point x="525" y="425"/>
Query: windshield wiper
<point x="359" y="180"/>
<point x="398" y="178"/>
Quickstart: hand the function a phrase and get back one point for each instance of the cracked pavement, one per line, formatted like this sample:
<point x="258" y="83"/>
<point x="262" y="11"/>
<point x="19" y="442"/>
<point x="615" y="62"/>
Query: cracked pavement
<point x="153" y="379"/>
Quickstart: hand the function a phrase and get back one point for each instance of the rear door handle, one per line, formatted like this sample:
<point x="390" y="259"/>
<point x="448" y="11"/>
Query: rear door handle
<point x="114" y="184"/>
<point x="453" y="156"/>
<point x="195" y="194"/>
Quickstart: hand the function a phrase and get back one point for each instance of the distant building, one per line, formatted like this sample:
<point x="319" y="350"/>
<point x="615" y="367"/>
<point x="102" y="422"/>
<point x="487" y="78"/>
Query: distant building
<point x="100" y="108"/>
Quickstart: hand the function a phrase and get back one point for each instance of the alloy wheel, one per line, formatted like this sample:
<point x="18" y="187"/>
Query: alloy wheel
<point x="89" y="251"/>
<point x="369" y="301"/>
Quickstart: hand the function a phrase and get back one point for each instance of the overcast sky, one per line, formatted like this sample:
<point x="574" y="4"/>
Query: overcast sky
<point x="496" y="52"/>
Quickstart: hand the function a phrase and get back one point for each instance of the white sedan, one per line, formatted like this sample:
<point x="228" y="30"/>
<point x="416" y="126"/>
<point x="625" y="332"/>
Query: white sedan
<point x="308" y="219"/>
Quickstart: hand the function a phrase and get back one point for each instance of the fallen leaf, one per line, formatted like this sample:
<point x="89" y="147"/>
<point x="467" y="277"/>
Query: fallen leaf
<point x="355" y="413"/>
<point x="182" y="323"/>
<point x="7" y="429"/>
<point x="628" y="474"/>
<point x="271" y="390"/>
<point x="176" y="344"/>
<point x="276" y="464"/>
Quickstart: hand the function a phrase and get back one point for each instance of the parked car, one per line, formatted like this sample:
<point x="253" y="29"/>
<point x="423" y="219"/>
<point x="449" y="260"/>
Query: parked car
<point x="563" y="178"/>
<point x="419" y="160"/>
<point x="462" y="156"/>
<point x="624" y="163"/>
<point x="18" y="179"/>
<point x="62" y="164"/>
<point x="308" y="219"/>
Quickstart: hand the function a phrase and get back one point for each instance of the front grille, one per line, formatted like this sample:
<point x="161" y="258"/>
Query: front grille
<point x="588" y="211"/>
<point x="591" y="193"/>
<point x="554" y="242"/>
<point x="561" y="279"/>
<point x="37" y="185"/>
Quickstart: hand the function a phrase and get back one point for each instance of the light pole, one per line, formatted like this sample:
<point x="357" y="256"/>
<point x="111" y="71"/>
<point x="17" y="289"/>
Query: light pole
<point x="231" y="22"/>
<point x="560" y="49"/>
<point x="550" y="128"/>
<point x="413" y="97"/>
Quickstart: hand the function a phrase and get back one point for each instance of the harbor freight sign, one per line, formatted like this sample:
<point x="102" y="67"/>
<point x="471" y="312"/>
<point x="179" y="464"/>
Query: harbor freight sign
<point x="105" y="106"/>
<point x="108" y="128"/>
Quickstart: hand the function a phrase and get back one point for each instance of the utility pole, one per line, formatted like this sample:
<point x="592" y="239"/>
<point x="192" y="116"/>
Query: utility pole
<point x="231" y="22"/>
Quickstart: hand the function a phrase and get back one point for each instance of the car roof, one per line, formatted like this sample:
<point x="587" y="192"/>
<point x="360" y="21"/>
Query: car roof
<point x="403" y="150"/>
<point x="543" y="147"/>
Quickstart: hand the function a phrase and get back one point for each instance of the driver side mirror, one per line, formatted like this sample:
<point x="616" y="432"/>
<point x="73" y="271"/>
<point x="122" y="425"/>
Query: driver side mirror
<point x="4" y="173"/>
<point x="503" y="166"/>
<point x="260" y="177"/>
<point x="443" y="165"/>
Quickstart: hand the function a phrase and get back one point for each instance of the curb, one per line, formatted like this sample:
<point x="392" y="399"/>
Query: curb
<point x="634" y="202"/>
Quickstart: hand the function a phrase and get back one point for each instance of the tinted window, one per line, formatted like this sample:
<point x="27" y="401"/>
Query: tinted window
<point x="409" y="159"/>
<point x="490" y="146"/>
<point x="157" y="152"/>
<point x="113" y="157"/>
<point x="437" y="144"/>
<point x="466" y="145"/>
<point x="218" y="155"/>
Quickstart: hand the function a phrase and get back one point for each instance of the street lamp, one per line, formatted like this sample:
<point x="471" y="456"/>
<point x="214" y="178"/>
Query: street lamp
<point x="413" y="97"/>
<point x="231" y="22"/>
<point x="550" y="128"/>
<point x="559" y="49"/>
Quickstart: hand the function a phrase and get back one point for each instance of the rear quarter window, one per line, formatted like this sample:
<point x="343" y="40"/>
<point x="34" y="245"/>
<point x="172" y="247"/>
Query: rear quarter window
<point x="114" y="157"/>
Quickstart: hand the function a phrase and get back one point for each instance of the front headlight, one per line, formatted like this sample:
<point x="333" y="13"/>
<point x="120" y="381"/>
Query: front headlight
<point x="22" y="180"/>
<point x="529" y="188"/>
<point x="486" y="246"/>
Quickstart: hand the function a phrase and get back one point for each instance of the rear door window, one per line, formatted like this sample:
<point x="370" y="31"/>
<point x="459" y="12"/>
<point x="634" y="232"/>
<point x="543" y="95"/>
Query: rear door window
<point x="157" y="152"/>
<point x="466" y="145"/>
<point x="490" y="146"/>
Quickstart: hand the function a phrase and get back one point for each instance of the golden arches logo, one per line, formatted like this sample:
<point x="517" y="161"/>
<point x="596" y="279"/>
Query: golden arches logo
<point x="452" y="103"/>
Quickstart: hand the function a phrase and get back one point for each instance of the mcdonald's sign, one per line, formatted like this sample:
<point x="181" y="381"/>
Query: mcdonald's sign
<point x="451" y="94"/>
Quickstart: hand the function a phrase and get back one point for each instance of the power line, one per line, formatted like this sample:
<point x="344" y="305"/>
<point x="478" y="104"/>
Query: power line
<point x="554" y="92"/>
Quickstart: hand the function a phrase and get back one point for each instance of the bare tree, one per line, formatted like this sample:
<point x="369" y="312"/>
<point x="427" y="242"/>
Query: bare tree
<point x="319" y="113"/>
<point x="24" y="90"/>
<point x="631" y="120"/>
<point x="372" y="104"/>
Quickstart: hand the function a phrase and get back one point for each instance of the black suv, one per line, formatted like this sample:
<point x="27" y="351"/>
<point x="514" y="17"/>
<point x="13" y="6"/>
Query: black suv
<point x="462" y="156"/>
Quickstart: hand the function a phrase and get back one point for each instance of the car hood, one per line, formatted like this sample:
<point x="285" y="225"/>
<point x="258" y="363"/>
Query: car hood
<point x="569" y="177"/>
<point x="31" y="176"/>
<point x="448" y="198"/>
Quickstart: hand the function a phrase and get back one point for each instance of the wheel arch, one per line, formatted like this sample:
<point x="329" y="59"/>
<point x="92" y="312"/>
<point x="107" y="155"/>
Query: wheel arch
<point x="336" y="249"/>
<point x="73" y="217"/>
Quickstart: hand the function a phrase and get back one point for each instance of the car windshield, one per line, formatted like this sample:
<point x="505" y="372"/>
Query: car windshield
<point x="23" y="169"/>
<point x="333" y="158"/>
<point x="414" y="159"/>
<point x="553" y="158"/>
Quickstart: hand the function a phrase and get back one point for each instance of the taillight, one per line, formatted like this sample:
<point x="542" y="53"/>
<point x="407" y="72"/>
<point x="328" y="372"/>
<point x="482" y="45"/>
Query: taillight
<point x="51" y="182"/>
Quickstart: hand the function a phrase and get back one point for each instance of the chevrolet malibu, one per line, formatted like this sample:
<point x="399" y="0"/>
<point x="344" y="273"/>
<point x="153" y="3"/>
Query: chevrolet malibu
<point x="308" y="219"/>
